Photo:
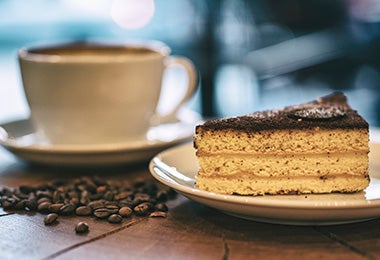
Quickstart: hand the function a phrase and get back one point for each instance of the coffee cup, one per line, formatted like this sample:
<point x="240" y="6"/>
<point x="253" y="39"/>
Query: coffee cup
<point x="98" y="93"/>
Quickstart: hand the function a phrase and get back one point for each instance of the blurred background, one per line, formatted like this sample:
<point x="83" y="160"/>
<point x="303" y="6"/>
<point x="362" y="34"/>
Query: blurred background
<point x="251" y="54"/>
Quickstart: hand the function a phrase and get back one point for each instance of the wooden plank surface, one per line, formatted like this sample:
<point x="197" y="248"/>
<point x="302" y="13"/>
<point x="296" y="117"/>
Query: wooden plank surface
<point x="190" y="231"/>
<point x="193" y="231"/>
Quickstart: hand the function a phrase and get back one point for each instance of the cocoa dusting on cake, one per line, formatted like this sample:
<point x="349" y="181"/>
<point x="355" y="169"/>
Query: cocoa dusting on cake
<point x="329" y="112"/>
<point x="317" y="113"/>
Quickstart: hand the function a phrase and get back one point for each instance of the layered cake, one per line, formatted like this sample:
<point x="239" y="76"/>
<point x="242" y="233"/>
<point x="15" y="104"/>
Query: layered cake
<point x="316" y="147"/>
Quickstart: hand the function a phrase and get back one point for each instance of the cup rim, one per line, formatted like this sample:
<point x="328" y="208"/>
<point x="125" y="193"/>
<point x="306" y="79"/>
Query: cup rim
<point x="30" y="53"/>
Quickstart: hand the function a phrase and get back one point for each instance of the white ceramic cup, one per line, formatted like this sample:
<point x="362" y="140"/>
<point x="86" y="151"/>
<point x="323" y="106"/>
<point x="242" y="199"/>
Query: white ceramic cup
<point x="97" y="93"/>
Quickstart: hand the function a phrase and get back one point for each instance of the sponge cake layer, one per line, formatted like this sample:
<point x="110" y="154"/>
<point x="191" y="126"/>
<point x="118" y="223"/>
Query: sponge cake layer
<point x="316" y="147"/>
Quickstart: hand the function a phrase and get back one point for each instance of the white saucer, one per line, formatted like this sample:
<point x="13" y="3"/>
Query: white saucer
<point x="177" y="167"/>
<point x="19" y="137"/>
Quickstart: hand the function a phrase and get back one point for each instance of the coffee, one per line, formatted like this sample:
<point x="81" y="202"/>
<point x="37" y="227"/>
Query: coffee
<point x="93" y="49"/>
<point x="98" y="94"/>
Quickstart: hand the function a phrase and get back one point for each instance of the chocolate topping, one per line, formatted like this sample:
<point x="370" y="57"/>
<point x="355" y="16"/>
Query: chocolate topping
<point x="329" y="112"/>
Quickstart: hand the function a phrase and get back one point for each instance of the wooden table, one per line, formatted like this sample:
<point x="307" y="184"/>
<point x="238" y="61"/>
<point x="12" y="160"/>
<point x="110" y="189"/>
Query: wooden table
<point x="190" y="231"/>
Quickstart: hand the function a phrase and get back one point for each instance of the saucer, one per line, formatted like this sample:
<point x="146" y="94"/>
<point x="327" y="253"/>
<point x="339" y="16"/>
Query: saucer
<point x="20" y="138"/>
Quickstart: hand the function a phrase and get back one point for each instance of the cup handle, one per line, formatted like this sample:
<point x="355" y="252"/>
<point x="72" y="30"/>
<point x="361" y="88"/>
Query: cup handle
<point x="191" y="88"/>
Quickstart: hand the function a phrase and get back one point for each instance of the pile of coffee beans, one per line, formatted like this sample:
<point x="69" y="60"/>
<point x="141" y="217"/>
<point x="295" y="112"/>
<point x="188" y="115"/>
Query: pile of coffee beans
<point x="91" y="196"/>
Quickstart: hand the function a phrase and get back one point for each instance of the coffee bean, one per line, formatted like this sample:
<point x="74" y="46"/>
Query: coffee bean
<point x="67" y="209"/>
<point x="108" y="195"/>
<point x="125" y="203"/>
<point x="125" y="212"/>
<point x="96" y="204"/>
<point x="81" y="227"/>
<point x="140" y="198"/>
<point x="96" y="196"/>
<point x="31" y="204"/>
<point x="89" y="183"/>
<point x="50" y="218"/>
<point x="102" y="213"/>
<point x="15" y="197"/>
<point x="55" y="208"/>
<point x="101" y="189"/>
<point x="32" y="196"/>
<point x="12" y="200"/>
<point x="86" y="196"/>
<point x="7" y="204"/>
<point x="81" y="187"/>
<point x="143" y="208"/>
<point x="112" y="209"/>
<point x="83" y="211"/>
<point x="44" y="194"/>
<point x="143" y="196"/>
<point x="23" y="196"/>
<point x="57" y="197"/>
<point x="108" y="204"/>
<point x="122" y="195"/>
<point x="158" y="214"/>
<point x="19" y="205"/>
<point x="74" y="201"/>
<point x="4" y="191"/>
<point x="44" y="207"/>
<point x="41" y="200"/>
<point x="115" y="218"/>
<point x="73" y="194"/>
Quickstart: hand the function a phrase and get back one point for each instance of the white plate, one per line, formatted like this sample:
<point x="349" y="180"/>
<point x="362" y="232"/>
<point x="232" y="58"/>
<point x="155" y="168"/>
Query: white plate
<point x="19" y="137"/>
<point x="177" y="166"/>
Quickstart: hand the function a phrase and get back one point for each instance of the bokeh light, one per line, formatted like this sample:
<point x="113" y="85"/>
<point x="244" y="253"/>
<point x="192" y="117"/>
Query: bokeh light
<point x="132" y="14"/>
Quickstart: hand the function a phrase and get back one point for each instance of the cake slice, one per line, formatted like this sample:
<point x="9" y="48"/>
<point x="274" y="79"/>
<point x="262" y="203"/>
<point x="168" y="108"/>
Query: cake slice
<point x="316" y="147"/>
